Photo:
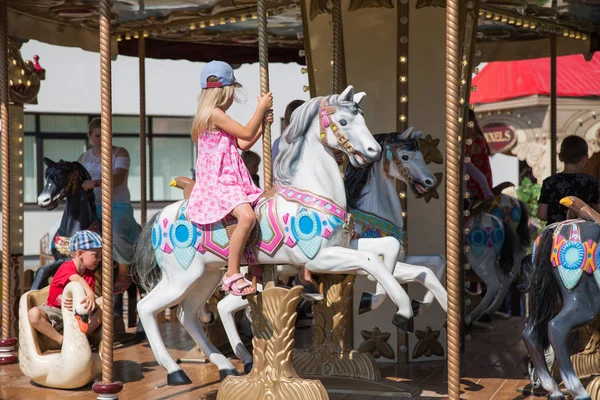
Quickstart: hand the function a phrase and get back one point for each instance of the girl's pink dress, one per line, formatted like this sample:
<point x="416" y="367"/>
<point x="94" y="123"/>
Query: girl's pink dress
<point x="222" y="179"/>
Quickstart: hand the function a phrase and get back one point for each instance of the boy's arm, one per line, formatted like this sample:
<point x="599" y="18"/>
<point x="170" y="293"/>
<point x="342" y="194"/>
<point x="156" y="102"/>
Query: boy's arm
<point x="542" y="212"/>
<point x="86" y="287"/>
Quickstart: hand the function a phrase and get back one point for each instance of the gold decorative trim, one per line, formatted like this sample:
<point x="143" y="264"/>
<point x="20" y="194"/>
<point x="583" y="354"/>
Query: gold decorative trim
<point x="376" y="343"/>
<point x="330" y="353"/>
<point x="428" y="344"/>
<point x="358" y="4"/>
<point x="273" y="314"/>
<point x="24" y="77"/>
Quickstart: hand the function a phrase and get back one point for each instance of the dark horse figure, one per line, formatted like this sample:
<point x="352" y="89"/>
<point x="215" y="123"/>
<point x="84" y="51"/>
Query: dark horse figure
<point x="565" y="266"/>
<point x="64" y="180"/>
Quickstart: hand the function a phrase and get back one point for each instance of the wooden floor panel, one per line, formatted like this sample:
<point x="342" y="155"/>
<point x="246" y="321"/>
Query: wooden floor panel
<point x="493" y="367"/>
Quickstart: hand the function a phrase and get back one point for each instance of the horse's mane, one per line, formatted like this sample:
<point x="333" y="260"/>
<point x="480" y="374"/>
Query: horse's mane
<point x="286" y="163"/>
<point x="355" y="178"/>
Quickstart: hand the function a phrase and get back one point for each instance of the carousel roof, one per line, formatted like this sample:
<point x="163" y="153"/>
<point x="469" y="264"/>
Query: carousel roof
<point x="202" y="30"/>
<point x="575" y="77"/>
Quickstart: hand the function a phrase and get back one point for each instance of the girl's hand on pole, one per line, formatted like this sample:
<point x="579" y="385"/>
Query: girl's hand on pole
<point x="265" y="102"/>
<point x="269" y="116"/>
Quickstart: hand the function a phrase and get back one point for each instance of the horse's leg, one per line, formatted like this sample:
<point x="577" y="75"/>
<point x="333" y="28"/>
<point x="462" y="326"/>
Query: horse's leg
<point x="187" y="312"/>
<point x="506" y="281"/>
<point x="407" y="273"/>
<point x="486" y="269"/>
<point x="539" y="362"/>
<point x="166" y="294"/>
<point x="227" y="307"/>
<point x="389" y="254"/>
<point x="45" y="272"/>
<point x="578" y="310"/>
<point x="437" y="264"/>
<point x="340" y="260"/>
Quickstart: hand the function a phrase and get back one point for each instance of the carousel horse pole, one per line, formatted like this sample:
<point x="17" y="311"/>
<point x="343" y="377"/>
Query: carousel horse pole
<point x="565" y="266"/>
<point x="185" y="270"/>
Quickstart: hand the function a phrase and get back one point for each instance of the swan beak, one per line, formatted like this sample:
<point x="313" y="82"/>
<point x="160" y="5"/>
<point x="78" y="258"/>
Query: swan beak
<point x="83" y="323"/>
<point x="173" y="183"/>
<point x="567" y="202"/>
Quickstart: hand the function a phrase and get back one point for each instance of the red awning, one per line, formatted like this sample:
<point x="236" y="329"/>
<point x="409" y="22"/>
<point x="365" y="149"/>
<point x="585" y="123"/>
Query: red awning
<point x="500" y="81"/>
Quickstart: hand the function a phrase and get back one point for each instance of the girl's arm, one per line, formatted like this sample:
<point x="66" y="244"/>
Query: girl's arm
<point x="247" y="144"/>
<point x="222" y="121"/>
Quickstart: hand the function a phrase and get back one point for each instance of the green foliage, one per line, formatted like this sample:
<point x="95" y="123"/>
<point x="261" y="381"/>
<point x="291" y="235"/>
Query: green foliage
<point x="529" y="193"/>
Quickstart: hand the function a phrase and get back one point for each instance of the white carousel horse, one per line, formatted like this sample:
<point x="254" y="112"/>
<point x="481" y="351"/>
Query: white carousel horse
<point x="302" y="222"/>
<point x="75" y="365"/>
<point x="373" y="200"/>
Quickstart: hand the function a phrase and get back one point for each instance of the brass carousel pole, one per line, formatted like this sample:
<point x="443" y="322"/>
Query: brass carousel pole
<point x="274" y="309"/>
<point x="143" y="177"/>
<point x="453" y="201"/>
<point x="107" y="389"/>
<point x="7" y="343"/>
<point x="553" y="134"/>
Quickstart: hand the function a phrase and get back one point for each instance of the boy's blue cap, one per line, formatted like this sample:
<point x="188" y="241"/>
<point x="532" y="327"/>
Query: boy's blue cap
<point x="222" y="71"/>
<point x="85" y="240"/>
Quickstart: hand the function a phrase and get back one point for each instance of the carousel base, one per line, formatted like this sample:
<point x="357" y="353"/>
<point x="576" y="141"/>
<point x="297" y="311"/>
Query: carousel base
<point x="385" y="388"/>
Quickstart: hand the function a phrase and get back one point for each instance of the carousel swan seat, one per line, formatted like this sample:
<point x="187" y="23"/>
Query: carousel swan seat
<point x="44" y="361"/>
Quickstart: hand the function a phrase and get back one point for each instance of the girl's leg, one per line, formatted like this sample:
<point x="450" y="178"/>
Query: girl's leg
<point x="306" y="278"/>
<point x="39" y="320"/>
<point x="245" y="222"/>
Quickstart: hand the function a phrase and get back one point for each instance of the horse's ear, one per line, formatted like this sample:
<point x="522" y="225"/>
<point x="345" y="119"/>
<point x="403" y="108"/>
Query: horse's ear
<point x="359" y="97"/>
<point x="407" y="133"/>
<point x="348" y="94"/>
<point x="48" y="162"/>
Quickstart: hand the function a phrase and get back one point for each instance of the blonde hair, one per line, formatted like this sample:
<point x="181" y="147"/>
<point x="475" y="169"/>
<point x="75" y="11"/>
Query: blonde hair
<point x="94" y="124"/>
<point x="209" y="99"/>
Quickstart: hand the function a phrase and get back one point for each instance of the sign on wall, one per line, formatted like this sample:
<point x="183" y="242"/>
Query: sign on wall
<point x="500" y="137"/>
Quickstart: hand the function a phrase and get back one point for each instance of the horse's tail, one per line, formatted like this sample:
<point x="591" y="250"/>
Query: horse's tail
<point x="543" y="292"/>
<point x="507" y="252"/>
<point x="144" y="267"/>
<point x="523" y="228"/>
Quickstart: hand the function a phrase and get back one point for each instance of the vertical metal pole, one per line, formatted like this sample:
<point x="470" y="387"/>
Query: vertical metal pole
<point x="107" y="385"/>
<point x="339" y="62"/>
<point x="6" y="170"/>
<point x="143" y="176"/>
<point x="270" y="272"/>
<point x="553" y="133"/>
<point x="453" y="201"/>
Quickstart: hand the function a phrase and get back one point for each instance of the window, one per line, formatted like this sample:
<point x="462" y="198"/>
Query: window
<point x="30" y="187"/>
<point x="169" y="152"/>
<point x="171" y="157"/>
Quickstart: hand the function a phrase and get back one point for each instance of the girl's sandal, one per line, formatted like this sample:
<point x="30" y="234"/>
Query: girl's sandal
<point x="231" y="286"/>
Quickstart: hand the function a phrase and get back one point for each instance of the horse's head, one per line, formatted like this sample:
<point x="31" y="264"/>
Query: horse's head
<point x="404" y="161"/>
<point x="62" y="179"/>
<point x="343" y="127"/>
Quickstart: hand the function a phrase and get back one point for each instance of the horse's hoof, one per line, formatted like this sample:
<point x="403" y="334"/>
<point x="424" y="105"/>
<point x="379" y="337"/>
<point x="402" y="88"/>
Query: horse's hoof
<point x="248" y="367"/>
<point x="558" y="396"/>
<point x="313" y="297"/>
<point x="224" y="373"/>
<point x="366" y="300"/>
<point x="417" y="307"/>
<point x="485" y="318"/>
<point x="178" y="378"/>
<point x="404" y="324"/>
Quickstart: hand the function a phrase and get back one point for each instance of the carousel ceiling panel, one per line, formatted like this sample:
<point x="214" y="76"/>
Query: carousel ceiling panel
<point x="197" y="23"/>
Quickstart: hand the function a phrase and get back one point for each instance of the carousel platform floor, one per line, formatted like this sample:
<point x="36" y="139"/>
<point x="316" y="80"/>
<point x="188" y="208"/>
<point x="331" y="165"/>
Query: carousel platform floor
<point x="493" y="368"/>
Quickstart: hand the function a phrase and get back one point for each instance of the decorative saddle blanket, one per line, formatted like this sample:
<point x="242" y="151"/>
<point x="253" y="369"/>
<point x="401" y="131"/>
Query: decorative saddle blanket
<point x="570" y="255"/>
<point x="314" y="221"/>
<point x="479" y="238"/>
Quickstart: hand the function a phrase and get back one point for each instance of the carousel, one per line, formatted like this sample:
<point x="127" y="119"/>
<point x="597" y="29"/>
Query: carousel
<point x="355" y="177"/>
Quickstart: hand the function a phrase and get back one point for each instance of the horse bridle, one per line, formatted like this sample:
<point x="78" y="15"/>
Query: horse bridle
<point x="390" y="156"/>
<point x="326" y="123"/>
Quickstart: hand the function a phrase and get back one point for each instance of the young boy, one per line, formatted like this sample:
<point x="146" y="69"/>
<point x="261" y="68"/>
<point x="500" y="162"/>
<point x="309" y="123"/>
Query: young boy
<point x="85" y="248"/>
<point x="570" y="182"/>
